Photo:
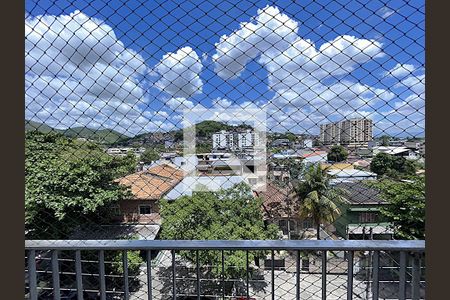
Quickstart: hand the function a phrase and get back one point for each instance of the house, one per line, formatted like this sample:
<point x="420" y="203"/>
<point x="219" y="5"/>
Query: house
<point x="337" y="166"/>
<point x="346" y="175"/>
<point x="278" y="172"/>
<point x="281" y="143"/>
<point x="285" y="154"/>
<point x="190" y="184"/>
<point x="362" y="163"/>
<point x="361" y="218"/>
<point x="279" y="209"/>
<point x="147" y="188"/>
<point x="314" y="157"/>
<point x="405" y="152"/>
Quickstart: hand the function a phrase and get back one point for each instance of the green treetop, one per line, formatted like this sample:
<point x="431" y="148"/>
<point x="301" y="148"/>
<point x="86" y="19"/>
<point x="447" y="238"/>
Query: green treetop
<point x="232" y="214"/>
<point x="68" y="183"/>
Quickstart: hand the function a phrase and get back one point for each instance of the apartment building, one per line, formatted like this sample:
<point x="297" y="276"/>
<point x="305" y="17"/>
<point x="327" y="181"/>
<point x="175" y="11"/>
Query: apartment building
<point x="225" y="140"/>
<point x="350" y="132"/>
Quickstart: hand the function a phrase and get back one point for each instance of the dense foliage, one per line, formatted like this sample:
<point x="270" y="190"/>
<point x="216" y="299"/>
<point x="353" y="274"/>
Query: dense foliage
<point x="232" y="214"/>
<point x="406" y="209"/>
<point x="392" y="166"/>
<point x="68" y="183"/>
<point x="149" y="155"/>
<point x="337" y="153"/>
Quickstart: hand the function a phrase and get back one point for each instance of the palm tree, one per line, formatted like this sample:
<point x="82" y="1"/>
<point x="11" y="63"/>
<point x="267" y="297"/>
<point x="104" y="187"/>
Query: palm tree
<point x="317" y="198"/>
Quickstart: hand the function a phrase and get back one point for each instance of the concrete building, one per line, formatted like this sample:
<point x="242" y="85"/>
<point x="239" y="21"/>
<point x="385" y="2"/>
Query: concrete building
<point x="350" y="175"/>
<point x="352" y="132"/>
<point x="225" y="140"/>
<point x="147" y="188"/>
<point x="191" y="184"/>
<point x="397" y="151"/>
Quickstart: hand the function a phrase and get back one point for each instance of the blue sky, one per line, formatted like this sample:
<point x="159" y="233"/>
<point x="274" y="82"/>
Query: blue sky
<point x="168" y="35"/>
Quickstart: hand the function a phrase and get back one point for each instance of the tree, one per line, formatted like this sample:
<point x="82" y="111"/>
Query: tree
<point x="385" y="140"/>
<point x="68" y="183"/>
<point x="149" y="155"/>
<point x="337" y="154"/>
<point x="317" y="198"/>
<point x="381" y="163"/>
<point x="406" y="205"/>
<point x="231" y="214"/>
<point x="392" y="166"/>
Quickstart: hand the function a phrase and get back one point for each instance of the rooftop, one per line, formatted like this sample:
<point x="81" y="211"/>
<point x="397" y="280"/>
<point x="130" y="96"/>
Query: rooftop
<point x="213" y="183"/>
<point x="152" y="183"/>
<point x="361" y="193"/>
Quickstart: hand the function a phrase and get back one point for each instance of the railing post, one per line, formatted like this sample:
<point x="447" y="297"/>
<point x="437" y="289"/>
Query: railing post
<point x="402" y="277"/>
<point x="297" y="277"/>
<point x="101" y="262"/>
<point x="272" y="255"/>
<point x="223" y="275"/>
<point x="197" y="264"/>
<point x="32" y="282"/>
<point x="375" y="274"/>
<point x="125" y="275"/>
<point x="55" y="275"/>
<point x="174" y="279"/>
<point x="350" y="275"/>
<point x="79" y="276"/>
<point x="416" y="277"/>
<point x="324" y="275"/>
<point x="247" y="277"/>
<point x="149" y="274"/>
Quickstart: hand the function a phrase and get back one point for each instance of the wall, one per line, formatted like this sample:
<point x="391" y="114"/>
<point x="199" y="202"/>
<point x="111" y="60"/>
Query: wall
<point x="130" y="212"/>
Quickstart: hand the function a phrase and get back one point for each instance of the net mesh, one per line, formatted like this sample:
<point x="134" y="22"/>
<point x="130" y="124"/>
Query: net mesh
<point x="225" y="120"/>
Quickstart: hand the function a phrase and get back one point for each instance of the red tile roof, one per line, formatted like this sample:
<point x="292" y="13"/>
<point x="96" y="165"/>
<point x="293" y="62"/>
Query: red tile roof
<point x="153" y="183"/>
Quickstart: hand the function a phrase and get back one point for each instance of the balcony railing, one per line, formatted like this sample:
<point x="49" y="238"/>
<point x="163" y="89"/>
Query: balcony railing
<point x="363" y="276"/>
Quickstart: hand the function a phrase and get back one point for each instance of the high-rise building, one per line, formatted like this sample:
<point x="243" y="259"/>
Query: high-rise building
<point x="347" y="132"/>
<point x="224" y="140"/>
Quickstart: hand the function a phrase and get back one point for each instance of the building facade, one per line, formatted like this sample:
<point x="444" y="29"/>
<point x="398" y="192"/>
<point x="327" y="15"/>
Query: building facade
<point x="347" y="132"/>
<point x="225" y="140"/>
<point x="147" y="188"/>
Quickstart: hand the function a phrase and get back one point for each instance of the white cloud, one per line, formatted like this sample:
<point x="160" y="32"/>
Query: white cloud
<point x="297" y="68"/>
<point x="79" y="74"/>
<point x="306" y="78"/>
<point x="179" y="73"/>
<point x="270" y="31"/>
<point x="400" y="70"/>
<point x="221" y="103"/>
<point x="178" y="104"/>
<point x="415" y="84"/>
<point x="385" y="12"/>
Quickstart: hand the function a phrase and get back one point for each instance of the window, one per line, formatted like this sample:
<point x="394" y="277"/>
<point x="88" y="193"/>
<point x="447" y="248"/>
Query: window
<point x="367" y="217"/>
<point x="307" y="224"/>
<point x="283" y="226"/>
<point x="115" y="209"/>
<point x="145" y="209"/>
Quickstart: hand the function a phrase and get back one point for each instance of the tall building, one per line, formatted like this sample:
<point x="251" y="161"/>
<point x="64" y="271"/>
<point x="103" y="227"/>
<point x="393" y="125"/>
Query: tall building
<point x="347" y="132"/>
<point x="224" y="140"/>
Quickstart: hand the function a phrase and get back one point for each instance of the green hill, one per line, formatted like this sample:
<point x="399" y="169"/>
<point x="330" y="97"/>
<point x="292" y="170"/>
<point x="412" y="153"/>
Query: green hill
<point x="102" y="136"/>
<point x="204" y="131"/>
<point x="32" y="125"/>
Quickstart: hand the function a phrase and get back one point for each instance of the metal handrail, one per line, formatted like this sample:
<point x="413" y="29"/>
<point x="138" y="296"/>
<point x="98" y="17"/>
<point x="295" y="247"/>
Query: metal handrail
<point x="342" y="245"/>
